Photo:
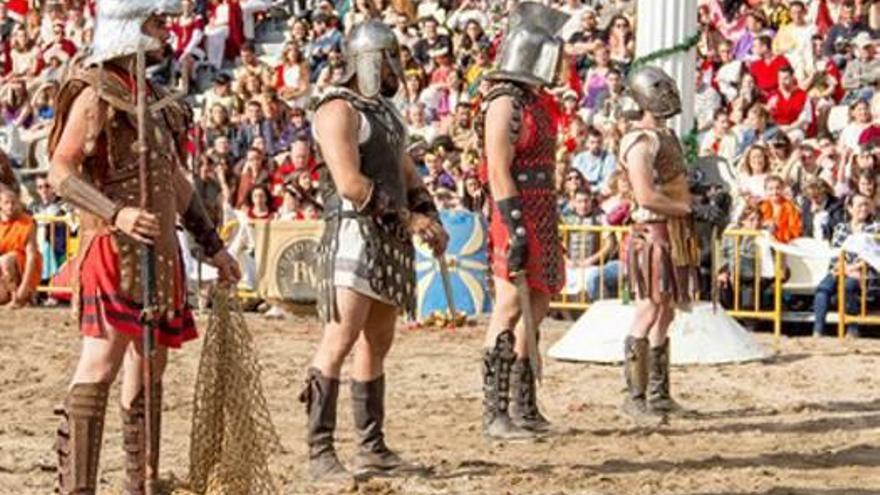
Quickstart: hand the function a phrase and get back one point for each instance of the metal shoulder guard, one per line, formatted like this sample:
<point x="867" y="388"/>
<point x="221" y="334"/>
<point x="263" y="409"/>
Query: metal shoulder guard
<point x="199" y="224"/>
<point x="89" y="198"/>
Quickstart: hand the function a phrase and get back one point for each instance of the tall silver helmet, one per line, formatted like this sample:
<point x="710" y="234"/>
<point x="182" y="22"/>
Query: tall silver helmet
<point x="369" y="45"/>
<point x="531" y="52"/>
<point x="119" y="27"/>
<point x="654" y="91"/>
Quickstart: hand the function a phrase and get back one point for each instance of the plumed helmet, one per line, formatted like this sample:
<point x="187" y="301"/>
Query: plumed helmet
<point x="119" y="27"/>
<point x="654" y="91"/>
<point x="531" y="52"/>
<point x="370" y="44"/>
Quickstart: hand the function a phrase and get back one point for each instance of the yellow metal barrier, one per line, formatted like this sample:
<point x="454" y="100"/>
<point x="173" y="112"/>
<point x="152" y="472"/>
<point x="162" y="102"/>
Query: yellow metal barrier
<point x="773" y="313"/>
<point x="605" y="234"/>
<point x="71" y="243"/>
<point x="863" y="318"/>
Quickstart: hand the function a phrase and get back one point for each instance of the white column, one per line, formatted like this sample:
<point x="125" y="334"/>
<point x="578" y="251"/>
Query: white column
<point x="663" y="24"/>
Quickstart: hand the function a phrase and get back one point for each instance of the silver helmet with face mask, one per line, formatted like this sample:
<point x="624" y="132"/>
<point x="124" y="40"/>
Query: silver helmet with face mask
<point x="654" y="91"/>
<point x="370" y="45"/>
<point x="119" y="27"/>
<point x="531" y="52"/>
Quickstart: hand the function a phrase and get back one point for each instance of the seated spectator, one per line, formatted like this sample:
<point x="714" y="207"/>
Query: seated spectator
<point x="754" y="168"/>
<point x="20" y="261"/>
<point x="620" y="41"/>
<point x="51" y="236"/>
<point x="218" y="124"/>
<point x="596" y="81"/>
<point x="758" y="127"/>
<point x="431" y="39"/>
<point x="24" y="56"/>
<point x="217" y="32"/>
<point x="253" y="125"/>
<point x="258" y="203"/>
<point x="719" y="140"/>
<point x="475" y="197"/>
<point x="619" y="200"/>
<point x="766" y="66"/>
<point x="326" y="38"/>
<point x="221" y="94"/>
<point x="574" y="182"/>
<point x="866" y="185"/>
<point x="820" y="210"/>
<point x="860" y="120"/>
<point x="254" y="172"/>
<point x="779" y="214"/>
<point x="790" y="107"/>
<point x="437" y="175"/>
<point x="707" y="101"/>
<point x="595" y="162"/>
<point x="188" y="31"/>
<point x="251" y="65"/>
<point x="292" y="78"/>
<point x="249" y="10"/>
<point x="746" y="252"/>
<point x="861" y="214"/>
<point x="861" y="72"/>
<point x="587" y="252"/>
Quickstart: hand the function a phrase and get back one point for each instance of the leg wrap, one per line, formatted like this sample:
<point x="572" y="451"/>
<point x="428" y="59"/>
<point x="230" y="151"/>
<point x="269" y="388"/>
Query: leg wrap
<point x="79" y="438"/>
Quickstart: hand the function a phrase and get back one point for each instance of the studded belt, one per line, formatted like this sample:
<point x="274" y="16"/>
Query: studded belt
<point x="533" y="179"/>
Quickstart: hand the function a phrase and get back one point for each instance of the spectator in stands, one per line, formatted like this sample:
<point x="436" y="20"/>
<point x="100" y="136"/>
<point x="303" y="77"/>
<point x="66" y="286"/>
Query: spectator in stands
<point x="620" y="41"/>
<point x="574" y="182"/>
<point x="766" y="66"/>
<point x="221" y="93"/>
<point x="860" y="120"/>
<point x="779" y="214"/>
<point x="249" y="10"/>
<point x="596" y="80"/>
<point x="755" y="25"/>
<point x="292" y="78"/>
<point x="254" y="172"/>
<point x="846" y="28"/>
<point x="437" y="175"/>
<point x="475" y="197"/>
<point x="251" y="65"/>
<point x="51" y="235"/>
<point x="745" y="252"/>
<point x="587" y="252"/>
<point x="794" y="40"/>
<point x="188" y="31"/>
<point x="861" y="72"/>
<point x="866" y="185"/>
<point x="720" y="140"/>
<point x="24" y="56"/>
<point x="707" y="101"/>
<point x="253" y="125"/>
<point x="618" y="199"/>
<point x="217" y="32"/>
<point x="218" y="124"/>
<point x="430" y="40"/>
<point x="326" y="38"/>
<point x="20" y="261"/>
<point x="820" y="210"/>
<point x="209" y="188"/>
<point x="595" y="162"/>
<point x="258" y="203"/>
<point x="754" y="168"/>
<point x="758" y="128"/>
<point x="860" y="212"/>
<point x="790" y="107"/>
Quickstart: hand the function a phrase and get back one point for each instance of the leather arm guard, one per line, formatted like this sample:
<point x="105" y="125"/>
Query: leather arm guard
<point x="378" y="203"/>
<point x="199" y="224"/>
<point x="511" y="211"/>
<point x="87" y="197"/>
<point x="420" y="201"/>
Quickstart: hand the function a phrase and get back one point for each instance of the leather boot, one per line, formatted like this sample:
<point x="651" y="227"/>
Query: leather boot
<point x="524" y="403"/>
<point x="79" y="438"/>
<point x="134" y="445"/>
<point x="319" y="396"/>
<point x="497" y="364"/>
<point x="635" y="372"/>
<point x="659" y="399"/>
<point x="368" y="406"/>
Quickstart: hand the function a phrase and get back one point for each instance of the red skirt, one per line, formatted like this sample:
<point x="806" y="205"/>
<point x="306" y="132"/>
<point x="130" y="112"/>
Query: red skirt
<point x="103" y="308"/>
<point x="545" y="264"/>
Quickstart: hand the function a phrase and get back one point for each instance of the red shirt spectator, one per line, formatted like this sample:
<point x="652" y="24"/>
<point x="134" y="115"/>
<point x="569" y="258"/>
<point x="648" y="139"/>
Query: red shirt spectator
<point x="188" y="34"/>
<point x="790" y="106"/>
<point x="766" y="68"/>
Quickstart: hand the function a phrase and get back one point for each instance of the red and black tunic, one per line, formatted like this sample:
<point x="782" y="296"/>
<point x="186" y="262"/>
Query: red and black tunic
<point x="533" y="132"/>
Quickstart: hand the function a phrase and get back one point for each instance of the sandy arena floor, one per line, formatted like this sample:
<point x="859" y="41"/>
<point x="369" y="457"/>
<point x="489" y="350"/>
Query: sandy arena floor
<point x="805" y="422"/>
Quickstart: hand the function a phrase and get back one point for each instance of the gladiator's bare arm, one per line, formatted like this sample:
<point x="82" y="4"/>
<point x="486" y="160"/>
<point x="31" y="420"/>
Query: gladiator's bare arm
<point x="639" y="161"/>
<point x="336" y="128"/>
<point x="499" y="148"/>
<point x="77" y="141"/>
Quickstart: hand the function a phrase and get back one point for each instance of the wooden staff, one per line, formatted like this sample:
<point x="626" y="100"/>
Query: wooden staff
<point x="148" y="276"/>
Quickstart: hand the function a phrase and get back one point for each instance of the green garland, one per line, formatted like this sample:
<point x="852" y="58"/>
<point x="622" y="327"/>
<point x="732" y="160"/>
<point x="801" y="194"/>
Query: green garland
<point x="684" y="46"/>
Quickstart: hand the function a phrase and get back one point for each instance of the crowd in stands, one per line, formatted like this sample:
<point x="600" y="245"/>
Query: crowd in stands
<point x="785" y="94"/>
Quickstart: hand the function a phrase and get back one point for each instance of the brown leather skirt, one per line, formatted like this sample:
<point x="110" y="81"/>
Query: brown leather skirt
<point x="652" y="273"/>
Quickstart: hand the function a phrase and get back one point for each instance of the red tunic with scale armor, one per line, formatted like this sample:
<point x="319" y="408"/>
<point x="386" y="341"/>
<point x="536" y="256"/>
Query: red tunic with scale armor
<point x="106" y="270"/>
<point x="533" y="132"/>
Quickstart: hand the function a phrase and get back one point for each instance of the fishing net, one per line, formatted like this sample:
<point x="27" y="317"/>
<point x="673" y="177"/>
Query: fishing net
<point x="232" y="432"/>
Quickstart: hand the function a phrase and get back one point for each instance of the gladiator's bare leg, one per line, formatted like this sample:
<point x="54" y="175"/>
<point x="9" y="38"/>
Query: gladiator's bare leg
<point x="368" y="394"/>
<point x="322" y="384"/>
<point x="10" y="277"/>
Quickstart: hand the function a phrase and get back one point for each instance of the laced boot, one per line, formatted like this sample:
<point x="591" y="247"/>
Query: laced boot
<point x="319" y="396"/>
<point x="134" y="431"/>
<point x="659" y="399"/>
<point x="497" y="364"/>
<point x="79" y="438"/>
<point x="635" y="371"/>
<point x="524" y="411"/>
<point x="368" y="406"/>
